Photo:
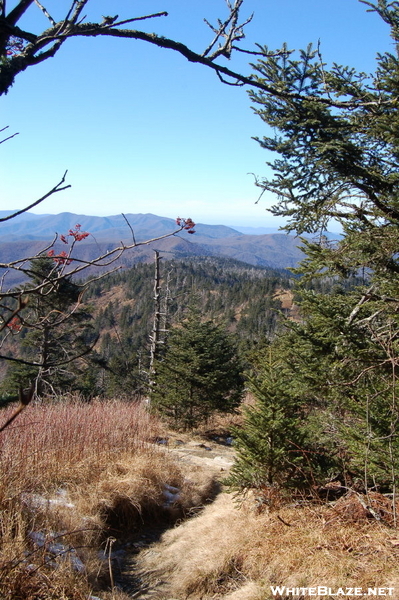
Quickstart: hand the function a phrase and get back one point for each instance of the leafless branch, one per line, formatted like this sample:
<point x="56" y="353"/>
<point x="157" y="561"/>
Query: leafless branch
<point x="366" y="296"/>
<point x="255" y="52"/>
<point x="18" y="11"/>
<point x="98" y="277"/>
<point x="54" y="190"/>
<point x="9" y="137"/>
<point x="373" y="367"/>
<point x="102" y="260"/>
<point x="229" y="30"/>
<point x="49" y="364"/>
<point x="24" y="400"/>
<point x="13" y="313"/>
<point x="45" y="12"/>
<point x="19" y="263"/>
<point x="232" y="83"/>
<point x="73" y="14"/>
<point x="143" y="18"/>
<point x="131" y="228"/>
<point x="45" y="45"/>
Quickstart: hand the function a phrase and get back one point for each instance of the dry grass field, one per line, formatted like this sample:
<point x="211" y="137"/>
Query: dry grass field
<point x="74" y="477"/>
<point x="234" y="553"/>
<point x="81" y="481"/>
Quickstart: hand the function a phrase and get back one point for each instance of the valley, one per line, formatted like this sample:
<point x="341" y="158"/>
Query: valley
<point x="29" y="234"/>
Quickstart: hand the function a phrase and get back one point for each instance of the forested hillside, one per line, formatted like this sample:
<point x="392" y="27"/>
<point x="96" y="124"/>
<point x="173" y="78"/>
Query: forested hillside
<point x="243" y="299"/>
<point x="30" y="234"/>
<point x="119" y="311"/>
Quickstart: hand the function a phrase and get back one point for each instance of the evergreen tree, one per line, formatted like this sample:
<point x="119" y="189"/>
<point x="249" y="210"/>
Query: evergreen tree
<point x="56" y="333"/>
<point x="271" y="443"/>
<point x="199" y="374"/>
<point x="337" y="140"/>
<point x="347" y="373"/>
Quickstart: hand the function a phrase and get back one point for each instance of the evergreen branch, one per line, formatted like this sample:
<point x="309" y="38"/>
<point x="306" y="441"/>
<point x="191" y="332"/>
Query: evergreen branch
<point x="35" y="53"/>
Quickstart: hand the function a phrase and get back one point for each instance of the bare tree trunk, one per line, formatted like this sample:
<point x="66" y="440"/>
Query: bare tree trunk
<point x="155" y="337"/>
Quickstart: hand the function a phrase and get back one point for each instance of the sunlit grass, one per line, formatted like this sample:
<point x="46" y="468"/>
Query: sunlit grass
<point x="78" y="473"/>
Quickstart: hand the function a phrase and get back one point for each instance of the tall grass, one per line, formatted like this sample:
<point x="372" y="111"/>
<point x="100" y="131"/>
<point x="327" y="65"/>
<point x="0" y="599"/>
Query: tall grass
<point x="54" y="444"/>
<point x="95" y="466"/>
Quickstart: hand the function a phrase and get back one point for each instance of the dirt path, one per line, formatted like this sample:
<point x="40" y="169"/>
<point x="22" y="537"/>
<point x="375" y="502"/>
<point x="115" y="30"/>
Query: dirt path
<point x="206" y="464"/>
<point x="215" y="458"/>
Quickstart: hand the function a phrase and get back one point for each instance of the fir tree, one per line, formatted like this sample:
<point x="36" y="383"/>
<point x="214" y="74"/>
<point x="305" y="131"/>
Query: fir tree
<point x="199" y="374"/>
<point x="337" y="143"/>
<point x="56" y="333"/>
<point x="271" y="443"/>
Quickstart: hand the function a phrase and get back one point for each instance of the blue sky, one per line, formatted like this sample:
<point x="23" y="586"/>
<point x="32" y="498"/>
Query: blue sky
<point x="142" y="130"/>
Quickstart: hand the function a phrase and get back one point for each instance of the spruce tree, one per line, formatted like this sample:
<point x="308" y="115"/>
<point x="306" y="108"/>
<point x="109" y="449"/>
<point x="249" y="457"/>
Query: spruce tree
<point x="55" y="333"/>
<point x="271" y="443"/>
<point x="337" y="145"/>
<point x="275" y="445"/>
<point x="199" y="374"/>
<point x="348" y="370"/>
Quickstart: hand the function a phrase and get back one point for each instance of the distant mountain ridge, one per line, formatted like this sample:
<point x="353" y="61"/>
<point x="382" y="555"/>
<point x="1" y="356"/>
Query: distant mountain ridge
<point x="29" y="233"/>
<point x="331" y="235"/>
<point x="44" y="227"/>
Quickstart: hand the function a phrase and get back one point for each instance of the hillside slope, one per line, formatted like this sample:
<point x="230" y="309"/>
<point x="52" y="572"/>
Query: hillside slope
<point x="246" y="300"/>
<point x="28" y="234"/>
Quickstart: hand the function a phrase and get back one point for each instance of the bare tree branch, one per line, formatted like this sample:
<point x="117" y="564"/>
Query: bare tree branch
<point x="56" y="188"/>
<point x="17" y="12"/>
<point x="9" y="137"/>
<point x="45" y="45"/>
<point x="24" y="400"/>
<point x="131" y="229"/>
<point x="49" y="364"/>
<point x="152" y="16"/>
<point x="229" y="30"/>
<point x="45" y="12"/>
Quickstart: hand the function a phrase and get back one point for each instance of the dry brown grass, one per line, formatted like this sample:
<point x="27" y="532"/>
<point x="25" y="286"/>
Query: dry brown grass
<point x="230" y="552"/>
<point x="102" y="477"/>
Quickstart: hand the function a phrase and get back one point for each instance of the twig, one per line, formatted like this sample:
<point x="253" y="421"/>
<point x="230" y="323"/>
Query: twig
<point x="45" y="11"/>
<point x="109" y="543"/>
<point x="152" y="16"/>
<point x="9" y="137"/>
<point x="131" y="229"/>
<point x="24" y="400"/>
<point x="55" y="189"/>
<point x="285" y="522"/>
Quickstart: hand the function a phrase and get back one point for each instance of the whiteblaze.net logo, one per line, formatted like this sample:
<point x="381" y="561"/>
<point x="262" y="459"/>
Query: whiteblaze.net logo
<point x="321" y="590"/>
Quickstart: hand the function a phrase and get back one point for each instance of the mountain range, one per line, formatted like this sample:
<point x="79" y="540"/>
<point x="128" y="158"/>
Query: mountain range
<point x="29" y="233"/>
